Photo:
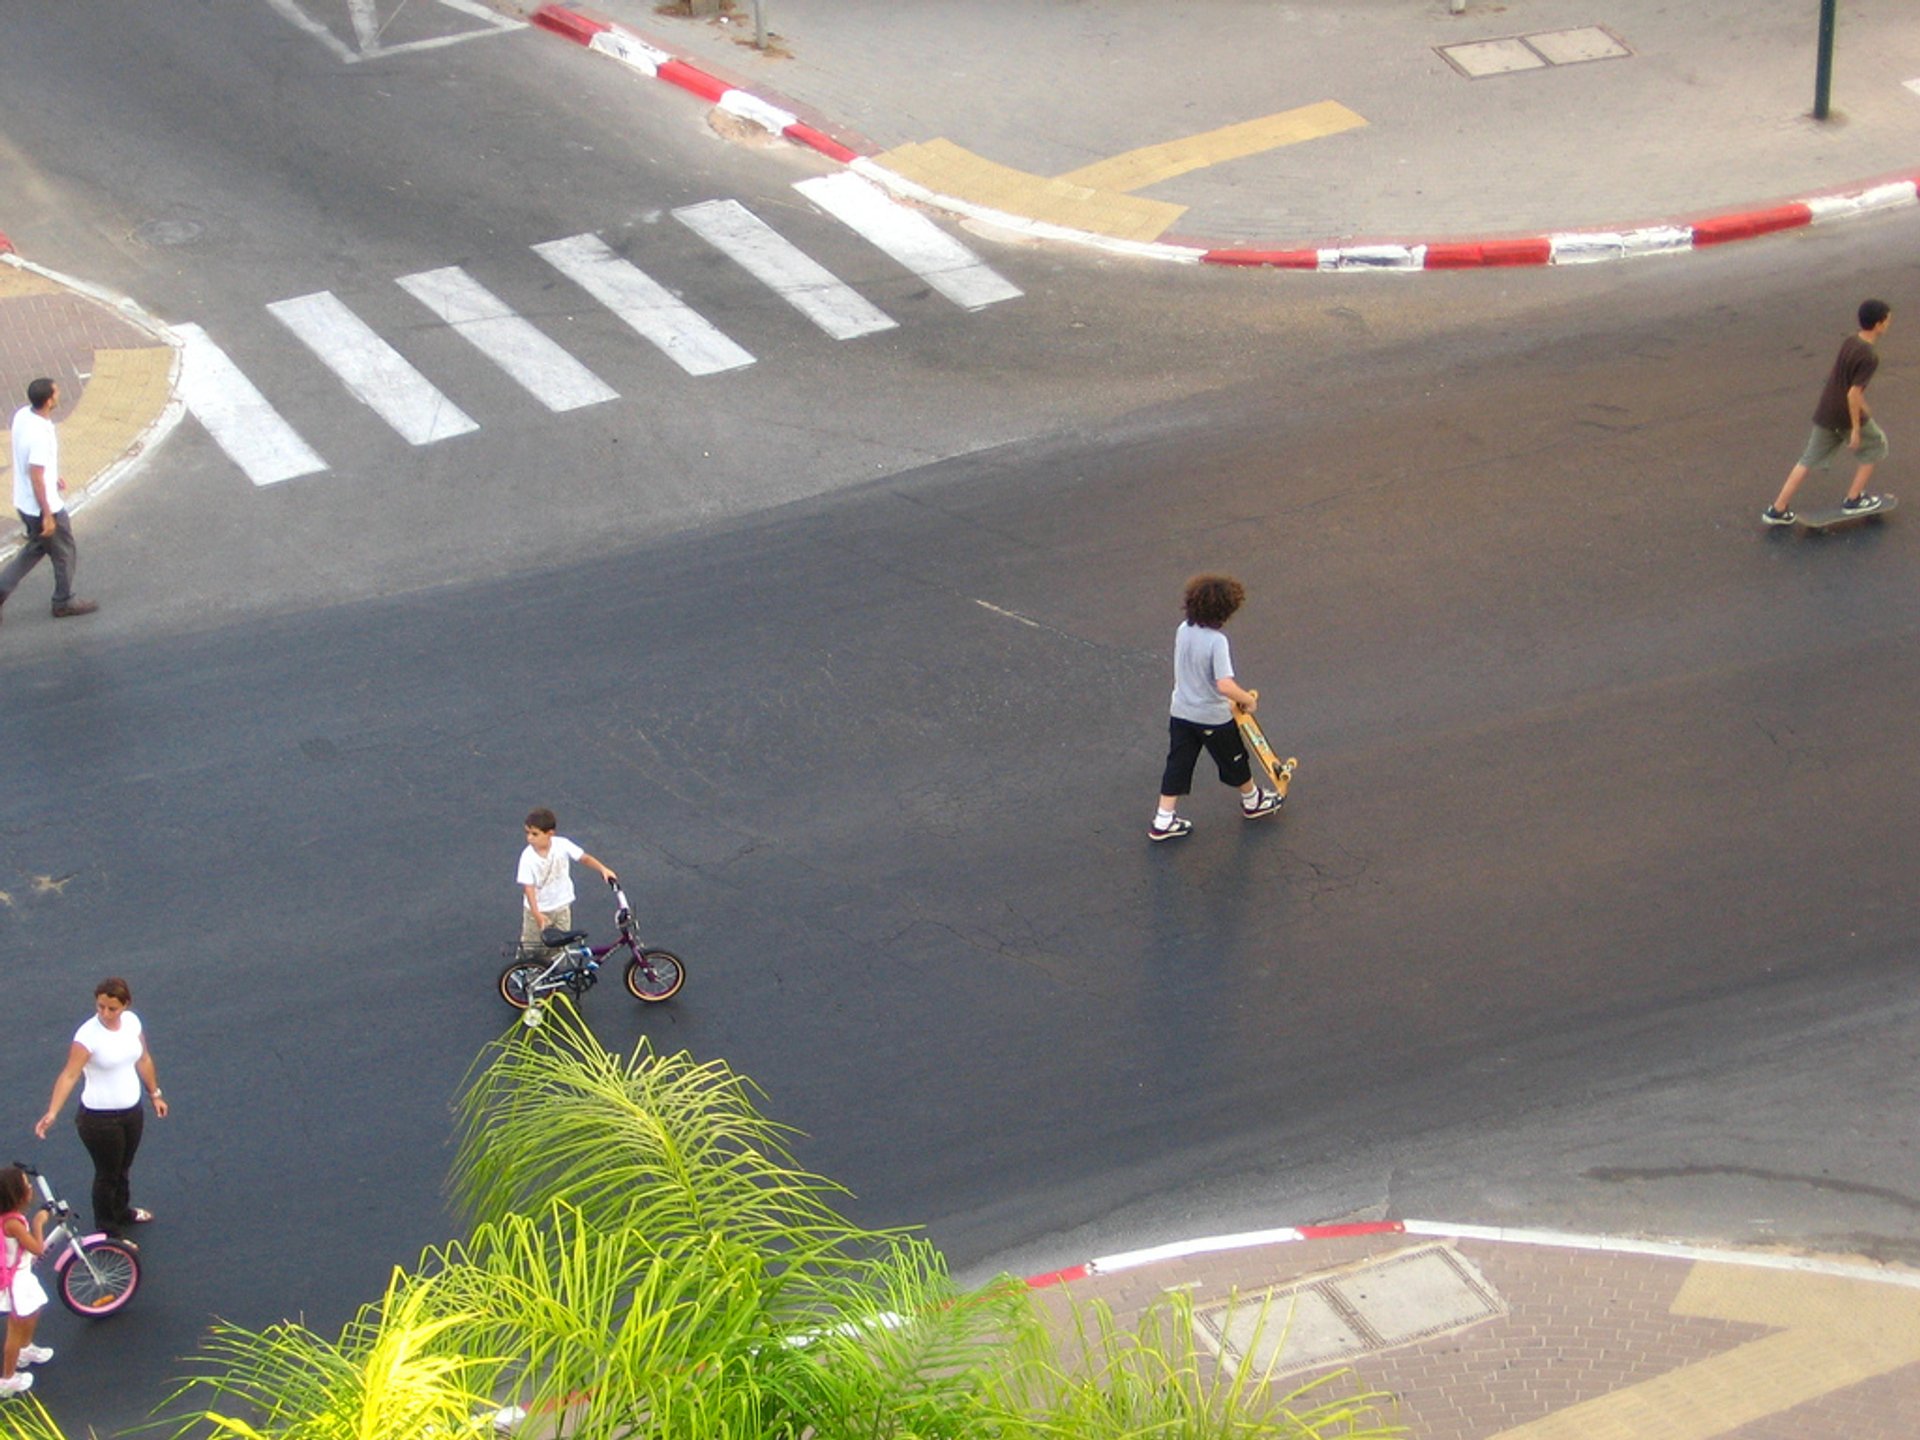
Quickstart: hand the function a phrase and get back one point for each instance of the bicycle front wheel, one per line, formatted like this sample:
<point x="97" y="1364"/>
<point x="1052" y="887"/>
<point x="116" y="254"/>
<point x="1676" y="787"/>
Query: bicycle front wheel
<point x="655" y="975"/>
<point x="517" y="982"/>
<point x="100" y="1278"/>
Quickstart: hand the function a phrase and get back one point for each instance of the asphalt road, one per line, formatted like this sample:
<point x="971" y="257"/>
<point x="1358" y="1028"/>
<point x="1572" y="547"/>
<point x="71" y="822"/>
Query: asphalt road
<point x="1588" y="901"/>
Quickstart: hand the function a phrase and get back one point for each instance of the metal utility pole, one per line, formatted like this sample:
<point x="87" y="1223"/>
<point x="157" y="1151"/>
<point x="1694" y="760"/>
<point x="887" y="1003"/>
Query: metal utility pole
<point x="1823" y="66"/>
<point x="759" y="25"/>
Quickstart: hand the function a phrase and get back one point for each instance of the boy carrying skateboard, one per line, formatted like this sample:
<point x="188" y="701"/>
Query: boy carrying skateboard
<point x="1842" y="419"/>
<point x="1204" y="696"/>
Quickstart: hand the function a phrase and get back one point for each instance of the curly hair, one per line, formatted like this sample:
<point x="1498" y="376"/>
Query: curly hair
<point x="1212" y="599"/>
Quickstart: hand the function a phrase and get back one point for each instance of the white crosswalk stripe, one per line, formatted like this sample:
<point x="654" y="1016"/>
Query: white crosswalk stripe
<point x="555" y="378"/>
<point x="784" y="268"/>
<point x="270" y="450"/>
<point x="238" y="416"/>
<point x="653" y="311"/>
<point x="910" y="238"/>
<point x="372" y="369"/>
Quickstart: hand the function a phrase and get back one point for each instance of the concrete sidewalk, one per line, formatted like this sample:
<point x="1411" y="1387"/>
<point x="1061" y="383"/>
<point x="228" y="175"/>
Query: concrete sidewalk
<point x="1282" y="130"/>
<point x="1479" y="1334"/>
<point x="116" y="369"/>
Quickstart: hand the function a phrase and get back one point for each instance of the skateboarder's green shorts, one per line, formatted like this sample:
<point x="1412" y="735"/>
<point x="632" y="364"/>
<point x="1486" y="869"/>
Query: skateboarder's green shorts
<point x="1823" y="444"/>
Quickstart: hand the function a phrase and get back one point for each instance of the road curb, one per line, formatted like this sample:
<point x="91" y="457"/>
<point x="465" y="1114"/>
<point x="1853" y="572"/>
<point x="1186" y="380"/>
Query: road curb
<point x="1578" y="247"/>
<point x="1449" y="1230"/>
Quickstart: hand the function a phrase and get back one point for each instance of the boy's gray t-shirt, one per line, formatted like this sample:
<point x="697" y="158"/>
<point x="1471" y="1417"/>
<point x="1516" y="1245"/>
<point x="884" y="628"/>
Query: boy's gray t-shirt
<point x="1200" y="658"/>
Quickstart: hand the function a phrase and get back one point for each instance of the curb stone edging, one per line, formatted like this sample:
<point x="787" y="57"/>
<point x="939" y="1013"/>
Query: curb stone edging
<point x="1447" y="1230"/>
<point x="1455" y="253"/>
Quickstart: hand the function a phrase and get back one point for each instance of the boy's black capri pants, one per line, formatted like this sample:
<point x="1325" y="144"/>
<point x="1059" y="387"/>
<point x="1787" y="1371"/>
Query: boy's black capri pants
<point x="1187" y="740"/>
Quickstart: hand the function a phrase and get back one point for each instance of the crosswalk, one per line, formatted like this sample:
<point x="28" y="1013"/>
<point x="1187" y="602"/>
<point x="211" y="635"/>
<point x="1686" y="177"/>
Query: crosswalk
<point x="266" y="446"/>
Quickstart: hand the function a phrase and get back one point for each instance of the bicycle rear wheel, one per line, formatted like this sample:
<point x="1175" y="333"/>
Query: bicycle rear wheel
<point x="517" y="980"/>
<point x="100" y="1278"/>
<point x="655" y="975"/>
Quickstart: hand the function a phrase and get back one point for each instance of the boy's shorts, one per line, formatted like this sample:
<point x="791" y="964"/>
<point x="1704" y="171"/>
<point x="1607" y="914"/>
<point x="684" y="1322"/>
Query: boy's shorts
<point x="530" y="935"/>
<point x="1185" y="742"/>
<point x="1823" y="444"/>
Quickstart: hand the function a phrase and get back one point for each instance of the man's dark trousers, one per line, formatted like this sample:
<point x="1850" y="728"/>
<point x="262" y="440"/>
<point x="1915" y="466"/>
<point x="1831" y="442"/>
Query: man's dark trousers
<point x="57" y="547"/>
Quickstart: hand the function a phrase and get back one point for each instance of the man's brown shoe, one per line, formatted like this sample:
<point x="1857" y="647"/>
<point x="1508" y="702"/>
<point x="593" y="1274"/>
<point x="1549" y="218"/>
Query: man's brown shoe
<point x="75" y="607"/>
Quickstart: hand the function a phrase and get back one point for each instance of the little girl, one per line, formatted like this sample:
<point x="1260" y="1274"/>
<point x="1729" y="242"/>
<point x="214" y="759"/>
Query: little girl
<point x="24" y="1297"/>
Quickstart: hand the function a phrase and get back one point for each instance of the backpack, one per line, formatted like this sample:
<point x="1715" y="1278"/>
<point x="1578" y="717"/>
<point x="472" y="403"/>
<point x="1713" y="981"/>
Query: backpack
<point x="11" y="1268"/>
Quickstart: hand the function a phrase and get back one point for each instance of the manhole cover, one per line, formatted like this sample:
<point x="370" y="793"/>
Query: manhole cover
<point x="1477" y="59"/>
<point x="1576" y="47"/>
<point x="163" y="234"/>
<point x="1403" y="1298"/>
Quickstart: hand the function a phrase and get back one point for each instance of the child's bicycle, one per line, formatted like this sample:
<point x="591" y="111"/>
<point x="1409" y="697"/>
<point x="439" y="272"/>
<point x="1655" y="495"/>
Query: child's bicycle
<point x="95" y="1274"/>
<point x="567" y="963"/>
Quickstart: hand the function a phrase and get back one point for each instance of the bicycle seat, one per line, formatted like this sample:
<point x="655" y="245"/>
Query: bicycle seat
<point x="554" y="936"/>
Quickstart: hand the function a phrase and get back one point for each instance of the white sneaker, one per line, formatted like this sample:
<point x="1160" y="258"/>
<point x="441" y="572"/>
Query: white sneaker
<point x="1267" y="804"/>
<point x="35" y="1354"/>
<point x="17" y="1383"/>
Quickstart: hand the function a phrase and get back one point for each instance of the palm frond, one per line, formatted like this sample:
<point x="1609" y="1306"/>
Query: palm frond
<point x="394" y="1371"/>
<point x="25" y="1418"/>
<point x="660" y="1142"/>
<point x="1155" y="1380"/>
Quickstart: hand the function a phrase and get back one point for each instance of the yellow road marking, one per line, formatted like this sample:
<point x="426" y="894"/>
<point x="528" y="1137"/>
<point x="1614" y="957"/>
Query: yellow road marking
<point x="1833" y="1333"/>
<point x="1154" y="163"/>
<point x="948" y="169"/>
<point x="125" y="391"/>
<point x="16" y="281"/>
<point x="1097" y="198"/>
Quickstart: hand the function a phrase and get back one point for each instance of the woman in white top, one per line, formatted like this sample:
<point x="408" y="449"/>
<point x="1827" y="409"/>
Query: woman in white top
<point x="111" y="1051"/>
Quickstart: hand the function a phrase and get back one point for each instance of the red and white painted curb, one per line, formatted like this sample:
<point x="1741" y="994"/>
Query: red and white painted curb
<point x="1440" y="1229"/>
<point x="1574" y="247"/>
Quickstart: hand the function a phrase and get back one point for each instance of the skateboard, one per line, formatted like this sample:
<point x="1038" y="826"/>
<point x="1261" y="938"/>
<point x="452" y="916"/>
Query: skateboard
<point x="1279" y="772"/>
<point x="1819" y="521"/>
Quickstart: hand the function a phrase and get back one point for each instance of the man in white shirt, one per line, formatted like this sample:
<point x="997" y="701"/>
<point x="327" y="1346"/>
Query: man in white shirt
<point x="40" y="497"/>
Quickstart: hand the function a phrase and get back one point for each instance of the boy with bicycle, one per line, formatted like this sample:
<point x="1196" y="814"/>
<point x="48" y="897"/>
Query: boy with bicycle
<point x="546" y="879"/>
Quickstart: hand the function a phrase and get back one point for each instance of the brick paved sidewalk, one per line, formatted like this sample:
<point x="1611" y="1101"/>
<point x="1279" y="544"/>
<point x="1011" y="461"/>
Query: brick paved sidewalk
<point x="1481" y="1338"/>
<point x="116" y="380"/>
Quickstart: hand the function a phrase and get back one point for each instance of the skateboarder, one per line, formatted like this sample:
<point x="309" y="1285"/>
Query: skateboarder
<point x="1204" y="694"/>
<point x="1843" y="419"/>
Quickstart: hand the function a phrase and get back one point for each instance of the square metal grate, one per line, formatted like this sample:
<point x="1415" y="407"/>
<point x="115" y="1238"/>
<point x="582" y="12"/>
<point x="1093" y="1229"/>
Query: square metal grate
<point x="1399" y="1299"/>
<point x="1544" y="49"/>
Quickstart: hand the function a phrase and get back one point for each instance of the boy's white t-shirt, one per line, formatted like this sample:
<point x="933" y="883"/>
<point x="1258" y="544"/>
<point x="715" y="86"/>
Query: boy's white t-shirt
<point x="549" y="874"/>
<point x="112" y="1081"/>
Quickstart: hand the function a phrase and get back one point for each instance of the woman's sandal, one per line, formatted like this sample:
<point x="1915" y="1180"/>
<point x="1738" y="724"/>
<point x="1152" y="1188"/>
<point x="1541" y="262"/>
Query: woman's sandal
<point x="139" y="1216"/>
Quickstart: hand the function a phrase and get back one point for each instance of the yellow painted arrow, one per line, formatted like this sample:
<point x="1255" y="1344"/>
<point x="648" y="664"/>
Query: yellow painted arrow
<point x="1097" y="197"/>
<point x="1832" y="1333"/>
<point x="1139" y="168"/>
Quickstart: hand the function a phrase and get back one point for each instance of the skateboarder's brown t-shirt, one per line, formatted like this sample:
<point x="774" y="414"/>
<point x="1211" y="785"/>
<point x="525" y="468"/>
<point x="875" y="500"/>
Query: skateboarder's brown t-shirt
<point x="1854" y="366"/>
